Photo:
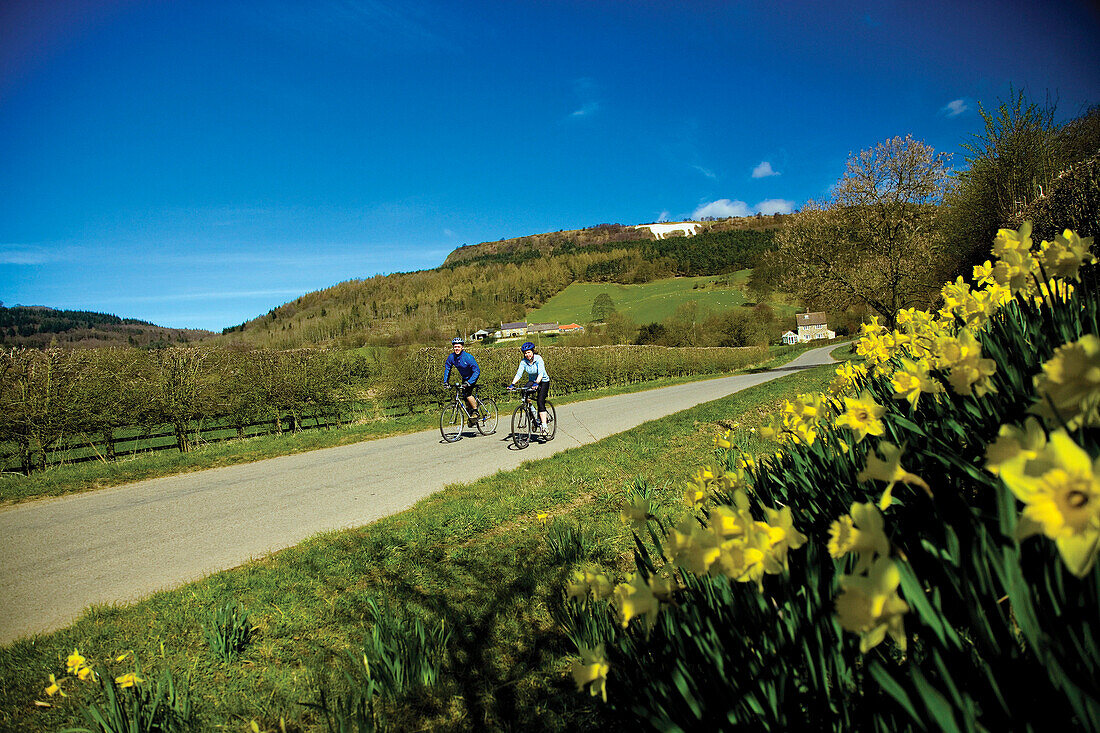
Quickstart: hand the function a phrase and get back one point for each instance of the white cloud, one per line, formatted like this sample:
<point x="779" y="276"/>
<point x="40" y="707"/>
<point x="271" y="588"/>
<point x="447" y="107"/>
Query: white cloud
<point x="706" y="172"/>
<point x="36" y="254"/>
<point x="587" y="92"/>
<point x="588" y="108"/>
<point x="764" y="170"/>
<point x="954" y="108"/>
<point x="663" y="216"/>
<point x="722" y="208"/>
<point x="774" y="206"/>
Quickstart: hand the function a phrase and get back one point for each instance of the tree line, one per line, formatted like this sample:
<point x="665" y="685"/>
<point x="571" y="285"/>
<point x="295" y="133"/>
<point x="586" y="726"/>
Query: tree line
<point x="52" y="397"/>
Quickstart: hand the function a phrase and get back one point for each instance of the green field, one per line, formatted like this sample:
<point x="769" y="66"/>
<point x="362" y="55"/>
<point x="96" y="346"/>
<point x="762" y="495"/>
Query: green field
<point x="650" y="302"/>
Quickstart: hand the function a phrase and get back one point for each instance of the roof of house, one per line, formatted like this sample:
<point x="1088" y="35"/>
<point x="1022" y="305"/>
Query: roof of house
<point x="811" y="319"/>
<point x="569" y="326"/>
<point x="509" y="326"/>
<point x="481" y="331"/>
<point x="542" y="327"/>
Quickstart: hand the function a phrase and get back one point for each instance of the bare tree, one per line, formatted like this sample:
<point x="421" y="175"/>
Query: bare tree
<point x="876" y="242"/>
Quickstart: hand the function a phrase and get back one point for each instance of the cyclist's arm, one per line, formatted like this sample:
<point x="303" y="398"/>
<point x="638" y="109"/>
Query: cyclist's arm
<point x="447" y="367"/>
<point x="476" y="373"/>
<point x="542" y="376"/>
<point x="519" y="373"/>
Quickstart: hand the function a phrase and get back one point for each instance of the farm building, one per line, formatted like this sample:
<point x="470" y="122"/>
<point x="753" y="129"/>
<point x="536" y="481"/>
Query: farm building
<point x="812" y="326"/>
<point x="508" y="330"/>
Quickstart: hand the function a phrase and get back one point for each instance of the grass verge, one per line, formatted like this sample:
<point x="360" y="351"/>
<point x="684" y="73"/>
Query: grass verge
<point x="473" y="556"/>
<point x="73" y="478"/>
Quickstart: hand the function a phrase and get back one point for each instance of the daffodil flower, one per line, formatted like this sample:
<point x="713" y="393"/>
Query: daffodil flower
<point x="912" y="380"/>
<point x="792" y="539"/>
<point x="592" y="670"/>
<point x="861" y="531"/>
<point x="1070" y="381"/>
<point x="128" y="680"/>
<point x="862" y="416"/>
<point x="888" y="469"/>
<point x="1060" y="489"/>
<point x="55" y="688"/>
<point x="636" y="513"/>
<point x="1064" y="256"/>
<point x="74" y="662"/>
<point x="870" y="605"/>
<point x="635" y="598"/>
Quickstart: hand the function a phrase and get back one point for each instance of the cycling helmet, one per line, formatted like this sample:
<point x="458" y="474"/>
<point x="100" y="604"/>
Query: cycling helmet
<point x="458" y="340"/>
<point x="527" y="346"/>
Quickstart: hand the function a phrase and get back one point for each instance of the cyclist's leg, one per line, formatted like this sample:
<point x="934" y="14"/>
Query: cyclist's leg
<point x="541" y="395"/>
<point x="470" y="399"/>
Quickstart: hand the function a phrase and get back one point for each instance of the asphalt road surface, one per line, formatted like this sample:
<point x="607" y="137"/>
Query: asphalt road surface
<point x="116" y="545"/>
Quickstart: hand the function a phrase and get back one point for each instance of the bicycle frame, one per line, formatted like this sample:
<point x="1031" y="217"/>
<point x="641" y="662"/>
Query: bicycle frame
<point x="526" y="417"/>
<point x="456" y="413"/>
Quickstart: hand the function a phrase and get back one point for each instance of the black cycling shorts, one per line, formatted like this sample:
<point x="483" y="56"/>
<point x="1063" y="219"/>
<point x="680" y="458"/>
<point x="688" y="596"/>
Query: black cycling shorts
<point x="541" y="395"/>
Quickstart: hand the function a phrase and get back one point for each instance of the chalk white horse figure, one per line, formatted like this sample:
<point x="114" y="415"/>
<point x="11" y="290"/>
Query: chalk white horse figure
<point x="662" y="231"/>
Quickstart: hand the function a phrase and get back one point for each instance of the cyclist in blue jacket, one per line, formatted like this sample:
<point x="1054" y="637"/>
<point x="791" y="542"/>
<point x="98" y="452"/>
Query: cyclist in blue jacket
<point x="533" y="366"/>
<point x="467" y="369"/>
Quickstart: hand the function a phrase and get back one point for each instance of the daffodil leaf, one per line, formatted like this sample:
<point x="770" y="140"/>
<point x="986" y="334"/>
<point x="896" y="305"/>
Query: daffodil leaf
<point x="887" y="682"/>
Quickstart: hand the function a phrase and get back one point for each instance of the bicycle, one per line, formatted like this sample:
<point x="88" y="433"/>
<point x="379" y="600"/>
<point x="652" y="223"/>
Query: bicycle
<point x="525" y="419"/>
<point x="456" y="414"/>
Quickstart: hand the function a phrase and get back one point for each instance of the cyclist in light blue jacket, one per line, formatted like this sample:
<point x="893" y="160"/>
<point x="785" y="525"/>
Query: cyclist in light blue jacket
<point x="534" y="368"/>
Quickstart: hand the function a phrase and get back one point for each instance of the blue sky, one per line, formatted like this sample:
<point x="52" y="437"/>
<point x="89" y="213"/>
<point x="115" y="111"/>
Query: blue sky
<point x="195" y="164"/>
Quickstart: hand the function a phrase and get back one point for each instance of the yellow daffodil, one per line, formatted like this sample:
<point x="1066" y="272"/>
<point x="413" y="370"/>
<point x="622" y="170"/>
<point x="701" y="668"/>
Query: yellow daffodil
<point x="792" y="539"/>
<point x="1070" y="383"/>
<point x="128" y="680"/>
<point x="983" y="273"/>
<point x="663" y="583"/>
<point x="696" y="494"/>
<point x="1015" y="445"/>
<point x="592" y="670"/>
<point x="542" y="516"/>
<point x="862" y="531"/>
<point x="888" y="469"/>
<point x="870" y="605"/>
<point x="968" y="372"/>
<point x="848" y="375"/>
<point x="588" y="581"/>
<point x="75" y="662"/>
<point x="728" y="522"/>
<point x="1064" y="256"/>
<point x="636" y="513"/>
<point x="55" y="688"/>
<point x="1060" y="489"/>
<point x="84" y="673"/>
<point x="912" y="380"/>
<point x="724" y="441"/>
<point x="636" y="598"/>
<point x="862" y="416"/>
<point x="693" y="548"/>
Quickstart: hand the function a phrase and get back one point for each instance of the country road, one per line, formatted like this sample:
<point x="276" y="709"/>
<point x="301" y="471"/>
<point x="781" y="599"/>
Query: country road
<point x="121" y="544"/>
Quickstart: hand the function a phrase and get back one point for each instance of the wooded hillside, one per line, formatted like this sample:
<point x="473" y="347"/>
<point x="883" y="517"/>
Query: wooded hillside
<point x="498" y="282"/>
<point x="38" y="326"/>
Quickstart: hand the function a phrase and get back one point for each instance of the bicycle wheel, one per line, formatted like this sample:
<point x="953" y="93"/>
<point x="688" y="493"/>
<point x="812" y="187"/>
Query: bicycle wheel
<point x="551" y="421"/>
<point x="521" y="427"/>
<point x="487" y="416"/>
<point x="451" y="422"/>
